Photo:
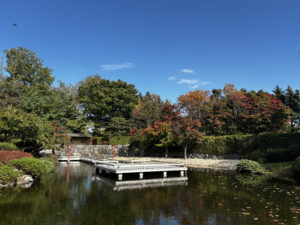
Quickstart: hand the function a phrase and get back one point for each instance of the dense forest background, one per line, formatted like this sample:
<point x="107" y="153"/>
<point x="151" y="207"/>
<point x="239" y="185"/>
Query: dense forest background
<point x="36" y="114"/>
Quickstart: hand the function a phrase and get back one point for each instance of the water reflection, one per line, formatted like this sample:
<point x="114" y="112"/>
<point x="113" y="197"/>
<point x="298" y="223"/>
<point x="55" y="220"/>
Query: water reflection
<point x="209" y="198"/>
<point x="140" y="184"/>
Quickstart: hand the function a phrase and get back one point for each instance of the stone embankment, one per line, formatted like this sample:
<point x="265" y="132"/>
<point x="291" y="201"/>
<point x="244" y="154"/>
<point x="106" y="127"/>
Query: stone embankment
<point x="214" y="164"/>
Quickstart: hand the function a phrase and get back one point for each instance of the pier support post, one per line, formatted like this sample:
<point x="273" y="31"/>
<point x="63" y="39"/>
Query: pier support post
<point x="164" y="174"/>
<point x="141" y="175"/>
<point x="120" y="176"/>
<point x="97" y="171"/>
<point x="182" y="173"/>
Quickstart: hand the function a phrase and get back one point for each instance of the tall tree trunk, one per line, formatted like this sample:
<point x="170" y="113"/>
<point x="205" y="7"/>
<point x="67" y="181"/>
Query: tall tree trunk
<point x="166" y="154"/>
<point x="185" y="151"/>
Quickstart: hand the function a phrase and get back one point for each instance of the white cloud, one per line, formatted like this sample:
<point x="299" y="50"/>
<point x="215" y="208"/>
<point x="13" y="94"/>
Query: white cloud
<point x="113" y="67"/>
<point x="171" y="78"/>
<point x="205" y="83"/>
<point x="194" y="86"/>
<point x="188" y="81"/>
<point x="187" y="70"/>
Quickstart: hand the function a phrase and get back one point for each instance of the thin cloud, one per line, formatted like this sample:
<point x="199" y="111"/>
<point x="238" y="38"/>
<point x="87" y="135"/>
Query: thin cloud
<point x="205" y="83"/>
<point x="188" y="81"/>
<point x="187" y="70"/>
<point x="194" y="86"/>
<point x="171" y="78"/>
<point x="113" y="67"/>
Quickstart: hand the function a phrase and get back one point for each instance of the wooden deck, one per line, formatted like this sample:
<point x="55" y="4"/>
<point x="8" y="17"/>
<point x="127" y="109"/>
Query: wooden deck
<point x="135" y="166"/>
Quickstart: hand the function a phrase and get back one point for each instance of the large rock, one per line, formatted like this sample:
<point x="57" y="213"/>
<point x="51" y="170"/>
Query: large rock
<point x="24" y="179"/>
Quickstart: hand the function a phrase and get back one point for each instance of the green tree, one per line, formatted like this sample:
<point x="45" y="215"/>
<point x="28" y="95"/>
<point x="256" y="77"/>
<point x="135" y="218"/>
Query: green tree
<point x="102" y="100"/>
<point x="291" y="99"/>
<point x="23" y="65"/>
<point x="147" y="111"/>
<point x="10" y="93"/>
<point x="27" y="131"/>
<point x="165" y="136"/>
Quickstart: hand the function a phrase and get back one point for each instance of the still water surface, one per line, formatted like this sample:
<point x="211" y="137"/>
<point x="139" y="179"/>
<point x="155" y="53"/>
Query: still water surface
<point x="209" y="198"/>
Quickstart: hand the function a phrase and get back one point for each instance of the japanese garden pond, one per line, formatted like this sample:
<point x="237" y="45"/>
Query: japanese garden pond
<point x="207" y="198"/>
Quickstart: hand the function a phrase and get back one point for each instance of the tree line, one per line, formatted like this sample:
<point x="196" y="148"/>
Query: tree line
<point x="35" y="113"/>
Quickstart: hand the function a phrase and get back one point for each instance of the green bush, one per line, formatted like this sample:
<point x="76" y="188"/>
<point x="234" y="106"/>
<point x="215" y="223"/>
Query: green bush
<point x="7" y="146"/>
<point x="120" y="140"/>
<point x="296" y="167"/>
<point x="249" y="166"/>
<point x="32" y="166"/>
<point x="8" y="174"/>
<point x="50" y="164"/>
<point x="1" y="164"/>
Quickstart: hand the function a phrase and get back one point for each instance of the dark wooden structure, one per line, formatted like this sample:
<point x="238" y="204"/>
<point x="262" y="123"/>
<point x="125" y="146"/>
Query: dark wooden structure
<point x="80" y="139"/>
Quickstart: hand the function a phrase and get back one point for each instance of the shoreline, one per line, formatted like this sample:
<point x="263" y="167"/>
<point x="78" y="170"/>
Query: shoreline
<point x="212" y="164"/>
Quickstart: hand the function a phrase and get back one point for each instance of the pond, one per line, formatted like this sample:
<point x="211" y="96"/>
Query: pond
<point x="207" y="198"/>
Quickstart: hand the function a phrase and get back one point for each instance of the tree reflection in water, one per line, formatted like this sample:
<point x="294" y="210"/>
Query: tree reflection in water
<point x="209" y="198"/>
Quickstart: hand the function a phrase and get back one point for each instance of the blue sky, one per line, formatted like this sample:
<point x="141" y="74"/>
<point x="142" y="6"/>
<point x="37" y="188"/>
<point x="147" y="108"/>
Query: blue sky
<point x="167" y="47"/>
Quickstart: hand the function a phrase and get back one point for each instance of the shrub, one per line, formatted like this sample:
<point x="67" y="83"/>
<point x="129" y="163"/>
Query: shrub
<point x="120" y="140"/>
<point x="32" y="166"/>
<point x="1" y="164"/>
<point x="6" y="156"/>
<point x="296" y="167"/>
<point x="8" y="174"/>
<point x="7" y="146"/>
<point x="49" y="163"/>
<point x="249" y="166"/>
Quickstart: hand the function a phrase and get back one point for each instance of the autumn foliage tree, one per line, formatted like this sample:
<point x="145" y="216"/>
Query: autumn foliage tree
<point x="230" y="111"/>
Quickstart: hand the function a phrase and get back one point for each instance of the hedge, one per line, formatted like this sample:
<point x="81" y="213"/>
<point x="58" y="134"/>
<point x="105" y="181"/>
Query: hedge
<point x="245" y="144"/>
<point x="6" y="156"/>
<point x="7" y="146"/>
<point x="120" y="140"/>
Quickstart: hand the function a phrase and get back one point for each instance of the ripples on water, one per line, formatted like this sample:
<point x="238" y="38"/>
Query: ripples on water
<point x="209" y="198"/>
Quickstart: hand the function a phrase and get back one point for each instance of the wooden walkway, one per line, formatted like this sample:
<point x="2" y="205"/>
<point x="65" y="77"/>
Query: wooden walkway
<point x="134" y="167"/>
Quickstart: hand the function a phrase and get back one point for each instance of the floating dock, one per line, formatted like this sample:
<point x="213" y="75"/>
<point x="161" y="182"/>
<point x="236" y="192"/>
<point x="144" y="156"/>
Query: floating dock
<point x="134" y="167"/>
<point x="120" y="168"/>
